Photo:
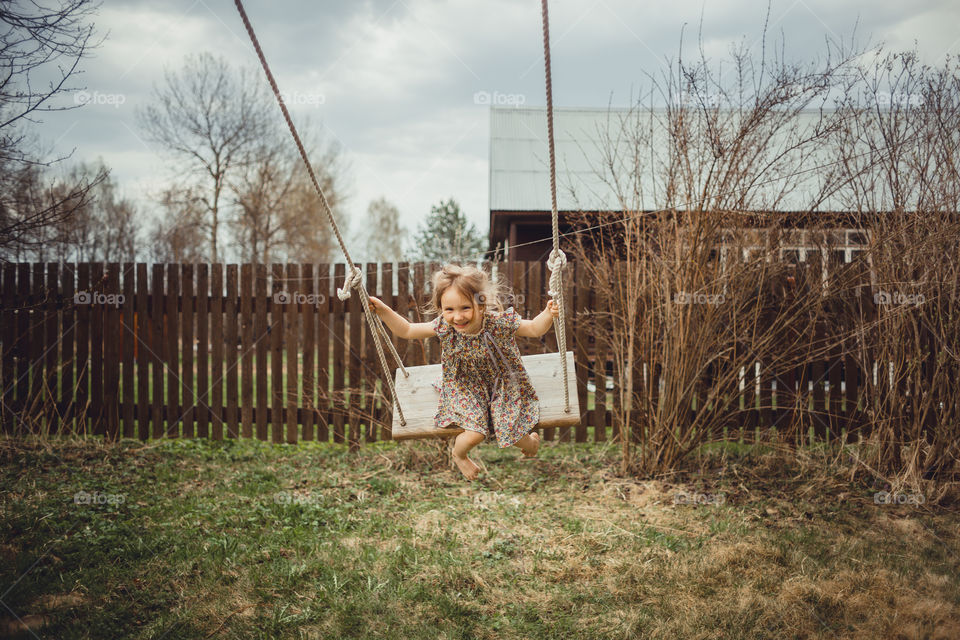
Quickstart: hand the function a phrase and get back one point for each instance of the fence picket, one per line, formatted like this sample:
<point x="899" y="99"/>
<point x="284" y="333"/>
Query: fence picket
<point x="129" y="347"/>
<point x="231" y="362"/>
<point x="203" y="351"/>
<point x="171" y="333"/>
<point x="37" y="336"/>
<point x="276" y="355"/>
<point x="52" y="347"/>
<point x="68" y="346"/>
<point x="187" y="318"/>
<point x="216" y="351"/>
<point x="290" y="334"/>
<point x="323" y="354"/>
<point x="95" y="412"/>
<point x="142" y="351"/>
<point x="372" y="370"/>
<point x="246" y="349"/>
<point x="384" y="416"/>
<point x="261" y="340"/>
<point x="339" y="346"/>
<point x="308" y="319"/>
<point x="156" y="349"/>
<point x="354" y="364"/>
<point x="111" y="352"/>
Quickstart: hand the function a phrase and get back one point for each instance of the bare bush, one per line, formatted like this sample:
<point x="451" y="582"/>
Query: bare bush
<point x="723" y="185"/>
<point x="695" y="295"/>
<point x="899" y="148"/>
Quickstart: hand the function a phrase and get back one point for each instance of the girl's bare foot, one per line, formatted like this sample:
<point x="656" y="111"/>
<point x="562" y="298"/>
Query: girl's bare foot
<point x="531" y="451"/>
<point x="467" y="467"/>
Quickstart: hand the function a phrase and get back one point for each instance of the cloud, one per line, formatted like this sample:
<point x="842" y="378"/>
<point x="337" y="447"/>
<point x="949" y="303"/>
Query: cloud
<point x="393" y="81"/>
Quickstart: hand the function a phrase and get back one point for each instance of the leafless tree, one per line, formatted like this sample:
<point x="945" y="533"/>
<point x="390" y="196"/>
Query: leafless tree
<point x="36" y="39"/>
<point x="82" y="216"/>
<point x="241" y="172"/>
<point x="309" y="237"/>
<point x="384" y="236"/>
<point x="178" y="235"/>
<point x="279" y="216"/>
<point x="103" y="228"/>
<point x="22" y="210"/>
<point x="211" y="119"/>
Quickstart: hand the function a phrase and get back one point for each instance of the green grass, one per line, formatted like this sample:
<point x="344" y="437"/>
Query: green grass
<point x="242" y="539"/>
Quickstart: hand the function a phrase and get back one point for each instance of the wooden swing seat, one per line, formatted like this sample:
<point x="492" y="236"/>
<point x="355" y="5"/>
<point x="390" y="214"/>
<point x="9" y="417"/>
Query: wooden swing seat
<point x="420" y="400"/>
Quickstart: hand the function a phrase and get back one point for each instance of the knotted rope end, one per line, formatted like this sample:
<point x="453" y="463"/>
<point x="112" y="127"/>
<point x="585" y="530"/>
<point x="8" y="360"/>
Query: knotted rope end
<point x="353" y="279"/>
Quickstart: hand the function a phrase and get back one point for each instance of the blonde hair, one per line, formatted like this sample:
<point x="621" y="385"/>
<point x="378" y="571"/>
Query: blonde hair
<point x="472" y="283"/>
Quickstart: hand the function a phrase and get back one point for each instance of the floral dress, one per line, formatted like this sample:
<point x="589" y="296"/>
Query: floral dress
<point x="484" y="387"/>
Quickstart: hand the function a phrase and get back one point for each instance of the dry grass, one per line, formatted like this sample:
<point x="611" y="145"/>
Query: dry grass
<point x="391" y="543"/>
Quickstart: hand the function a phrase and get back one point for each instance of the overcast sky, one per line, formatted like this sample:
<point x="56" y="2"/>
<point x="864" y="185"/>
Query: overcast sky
<point x="394" y="81"/>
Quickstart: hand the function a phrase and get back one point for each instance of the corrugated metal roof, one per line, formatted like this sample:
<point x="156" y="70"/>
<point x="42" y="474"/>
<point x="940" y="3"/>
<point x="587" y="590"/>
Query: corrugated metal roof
<point x="519" y="160"/>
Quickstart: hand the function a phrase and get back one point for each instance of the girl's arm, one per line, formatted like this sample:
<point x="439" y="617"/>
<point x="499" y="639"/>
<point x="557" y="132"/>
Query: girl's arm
<point x="400" y="326"/>
<point x="541" y="324"/>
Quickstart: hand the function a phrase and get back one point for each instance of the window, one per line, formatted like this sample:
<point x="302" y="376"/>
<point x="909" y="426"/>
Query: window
<point x="793" y="256"/>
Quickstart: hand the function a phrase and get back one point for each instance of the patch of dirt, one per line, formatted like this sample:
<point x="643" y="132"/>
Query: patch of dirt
<point x="878" y="602"/>
<point x="57" y="601"/>
<point x="34" y="622"/>
<point x="432" y="522"/>
<point x="31" y="623"/>
<point x="907" y="528"/>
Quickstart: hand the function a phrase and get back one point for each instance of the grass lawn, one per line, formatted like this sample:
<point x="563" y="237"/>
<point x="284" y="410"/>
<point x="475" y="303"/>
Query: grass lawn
<point x="243" y="539"/>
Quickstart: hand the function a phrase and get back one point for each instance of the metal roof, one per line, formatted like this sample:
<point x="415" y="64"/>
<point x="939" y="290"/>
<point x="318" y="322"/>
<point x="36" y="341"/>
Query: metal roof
<point x="519" y="160"/>
<point x="520" y="170"/>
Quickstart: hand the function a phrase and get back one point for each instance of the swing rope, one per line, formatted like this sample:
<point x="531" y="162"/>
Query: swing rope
<point x="354" y="279"/>
<point x="558" y="259"/>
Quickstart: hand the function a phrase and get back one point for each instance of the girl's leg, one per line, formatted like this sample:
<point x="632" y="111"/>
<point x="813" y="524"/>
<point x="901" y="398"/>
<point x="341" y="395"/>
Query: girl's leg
<point x="529" y="444"/>
<point x="461" y="447"/>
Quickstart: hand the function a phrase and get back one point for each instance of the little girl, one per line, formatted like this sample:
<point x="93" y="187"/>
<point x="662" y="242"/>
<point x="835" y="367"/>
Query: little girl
<point x="485" y="389"/>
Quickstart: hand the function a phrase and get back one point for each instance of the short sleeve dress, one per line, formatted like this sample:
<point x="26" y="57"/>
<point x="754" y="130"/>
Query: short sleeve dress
<point x="484" y="386"/>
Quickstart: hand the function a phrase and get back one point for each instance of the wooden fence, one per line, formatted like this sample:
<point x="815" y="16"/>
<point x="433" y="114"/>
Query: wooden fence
<point x="184" y="350"/>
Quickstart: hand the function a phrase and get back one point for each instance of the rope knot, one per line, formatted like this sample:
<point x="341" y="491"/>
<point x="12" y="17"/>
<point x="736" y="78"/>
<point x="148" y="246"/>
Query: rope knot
<point x="556" y="262"/>
<point x="353" y="279"/>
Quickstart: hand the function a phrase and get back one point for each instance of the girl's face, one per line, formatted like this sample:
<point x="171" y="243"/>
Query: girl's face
<point x="459" y="311"/>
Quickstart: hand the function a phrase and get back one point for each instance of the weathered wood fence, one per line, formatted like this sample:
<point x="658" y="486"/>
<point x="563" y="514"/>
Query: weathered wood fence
<point x="184" y="350"/>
